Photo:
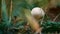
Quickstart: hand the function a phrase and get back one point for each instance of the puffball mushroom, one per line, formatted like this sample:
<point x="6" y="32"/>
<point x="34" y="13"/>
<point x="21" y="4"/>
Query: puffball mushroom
<point x="37" y="12"/>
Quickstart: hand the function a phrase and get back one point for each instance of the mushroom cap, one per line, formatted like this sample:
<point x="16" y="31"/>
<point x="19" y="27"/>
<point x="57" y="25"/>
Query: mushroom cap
<point x="37" y="11"/>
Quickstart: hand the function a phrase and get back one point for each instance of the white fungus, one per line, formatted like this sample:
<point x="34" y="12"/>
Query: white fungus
<point x="38" y="11"/>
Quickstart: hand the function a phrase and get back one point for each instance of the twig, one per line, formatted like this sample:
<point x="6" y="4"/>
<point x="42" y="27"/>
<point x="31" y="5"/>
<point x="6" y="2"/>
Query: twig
<point x="56" y="17"/>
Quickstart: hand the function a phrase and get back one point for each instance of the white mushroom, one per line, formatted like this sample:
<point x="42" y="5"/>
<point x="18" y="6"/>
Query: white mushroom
<point x="37" y="11"/>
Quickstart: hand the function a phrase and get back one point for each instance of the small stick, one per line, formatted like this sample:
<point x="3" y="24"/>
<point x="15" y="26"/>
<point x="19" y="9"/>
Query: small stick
<point x="56" y="17"/>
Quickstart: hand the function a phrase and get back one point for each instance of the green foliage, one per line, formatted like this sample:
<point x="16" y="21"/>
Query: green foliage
<point x="41" y="3"/>
<point x="51" y="26"/>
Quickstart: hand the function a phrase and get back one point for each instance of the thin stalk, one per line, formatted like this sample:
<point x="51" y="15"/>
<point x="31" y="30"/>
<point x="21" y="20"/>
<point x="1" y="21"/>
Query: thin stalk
<point x="10" y="12"/>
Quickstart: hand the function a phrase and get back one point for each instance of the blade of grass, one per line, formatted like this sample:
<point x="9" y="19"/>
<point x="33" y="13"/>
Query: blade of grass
<point x="10" y="11"/>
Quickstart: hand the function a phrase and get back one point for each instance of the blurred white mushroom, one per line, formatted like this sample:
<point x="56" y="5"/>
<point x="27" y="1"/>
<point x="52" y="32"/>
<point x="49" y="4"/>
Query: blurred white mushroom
<point x="38" y="11"/>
